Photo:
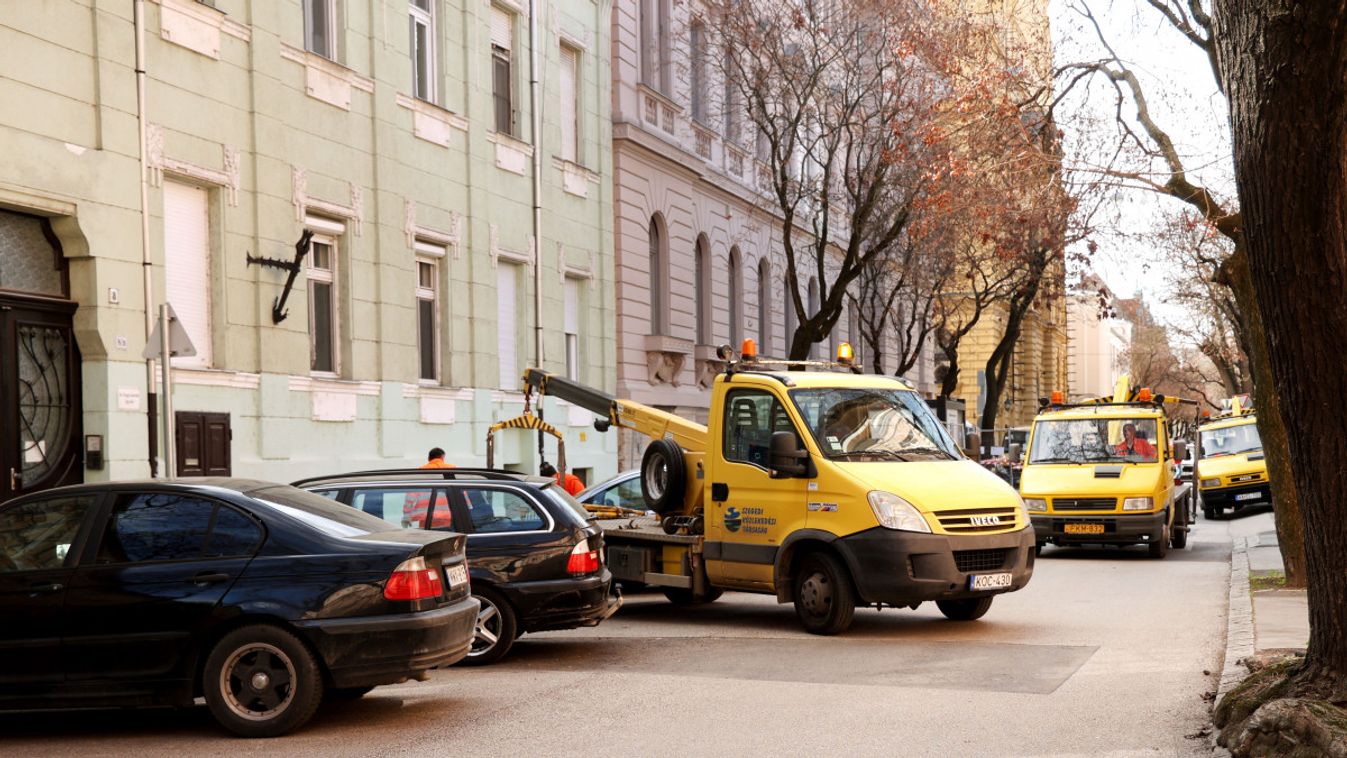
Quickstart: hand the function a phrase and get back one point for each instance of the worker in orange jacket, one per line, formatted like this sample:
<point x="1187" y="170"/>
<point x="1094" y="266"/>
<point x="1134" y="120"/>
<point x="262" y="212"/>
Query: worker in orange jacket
<point x="571" y="483"/>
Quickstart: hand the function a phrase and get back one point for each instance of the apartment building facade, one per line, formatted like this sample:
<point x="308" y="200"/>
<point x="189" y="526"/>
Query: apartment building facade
<point x="394" y="138"/>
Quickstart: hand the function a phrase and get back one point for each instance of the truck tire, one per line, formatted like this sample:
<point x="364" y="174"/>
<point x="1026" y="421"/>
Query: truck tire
<point x="1179" y="538"/>
<point x="261" y="681"/>
<point x="663" y="476"/>
<point x="1160" y="548"/>
<point x="970" y="609"/>
<point x="825" y="601"/>
<point x="1208" y="513"/>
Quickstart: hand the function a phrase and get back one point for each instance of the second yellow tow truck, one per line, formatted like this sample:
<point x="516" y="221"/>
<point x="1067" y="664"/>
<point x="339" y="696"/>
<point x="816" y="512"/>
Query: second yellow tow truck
<point x="1230" y="468"/>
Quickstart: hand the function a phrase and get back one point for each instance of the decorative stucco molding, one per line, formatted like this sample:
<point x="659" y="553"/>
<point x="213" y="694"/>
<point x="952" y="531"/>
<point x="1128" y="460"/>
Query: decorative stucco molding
<point x="299" y="197"/>
<point x="664" y="358"/>
<point x="500" y="252"/>
<point x="452" y="239"/>
<point x="228" y="177"/>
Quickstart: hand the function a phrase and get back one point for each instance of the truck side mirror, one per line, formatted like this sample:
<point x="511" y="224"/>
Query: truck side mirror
<point x="787" y="458"/>
<point x="1015" y="452"/>
<point x="1180" y="450"/>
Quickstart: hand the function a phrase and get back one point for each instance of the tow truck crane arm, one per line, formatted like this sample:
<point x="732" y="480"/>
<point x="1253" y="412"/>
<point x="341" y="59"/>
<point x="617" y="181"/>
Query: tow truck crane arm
<point x="640" y="418"/>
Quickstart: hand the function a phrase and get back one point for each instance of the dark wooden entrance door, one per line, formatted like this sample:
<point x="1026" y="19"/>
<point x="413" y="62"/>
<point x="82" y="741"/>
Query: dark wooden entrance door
<point x="203" y="443"/>
<point x="40" y="411"/>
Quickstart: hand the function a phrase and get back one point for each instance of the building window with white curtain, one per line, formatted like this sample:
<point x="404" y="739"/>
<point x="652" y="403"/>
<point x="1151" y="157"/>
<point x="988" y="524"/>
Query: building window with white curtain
<point x="187" y="285"/>
<point x="422" y="20"/>
<point x="502" y="70"/>
<point x="320" y="28"/>
<point x="570" y="104"/>
<point x="428" y="258"/>
<point x="571" y="326"/>
<point x="507" y="307"/>
<point x="324" y="315"/>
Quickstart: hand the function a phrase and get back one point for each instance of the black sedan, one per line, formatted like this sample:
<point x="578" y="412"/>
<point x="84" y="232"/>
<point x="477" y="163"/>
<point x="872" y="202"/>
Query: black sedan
<point x="536" y="557"/>
<point x="260" y="597"/>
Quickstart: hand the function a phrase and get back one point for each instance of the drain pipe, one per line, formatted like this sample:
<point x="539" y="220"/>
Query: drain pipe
<point x="146" y="267"/>
<point x="535" y="108"/>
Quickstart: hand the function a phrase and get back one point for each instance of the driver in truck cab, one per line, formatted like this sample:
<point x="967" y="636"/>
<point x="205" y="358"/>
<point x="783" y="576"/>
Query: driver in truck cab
<point x="1132" y="445"/>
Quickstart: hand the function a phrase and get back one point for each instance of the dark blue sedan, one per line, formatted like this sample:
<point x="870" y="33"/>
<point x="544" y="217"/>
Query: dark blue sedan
<point x="261" y="598"/>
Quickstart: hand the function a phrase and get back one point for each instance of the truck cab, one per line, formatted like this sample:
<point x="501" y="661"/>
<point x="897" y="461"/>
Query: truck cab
<point x="1104" y="472"/>
<point x="1231" y="470"/>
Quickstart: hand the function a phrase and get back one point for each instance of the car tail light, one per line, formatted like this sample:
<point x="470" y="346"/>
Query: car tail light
<point x="411" y="580"/>
<point x="583" y="560"/>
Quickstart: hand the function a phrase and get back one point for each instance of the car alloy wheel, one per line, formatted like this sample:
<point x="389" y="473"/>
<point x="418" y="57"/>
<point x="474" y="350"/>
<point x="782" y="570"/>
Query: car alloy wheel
<point x="262" y="681"/>
<point x="495" y="631"/>
<point x="258" y="681"/>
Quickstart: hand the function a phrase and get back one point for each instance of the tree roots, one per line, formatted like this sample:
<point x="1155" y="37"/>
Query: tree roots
<point x="1283" y="709"/>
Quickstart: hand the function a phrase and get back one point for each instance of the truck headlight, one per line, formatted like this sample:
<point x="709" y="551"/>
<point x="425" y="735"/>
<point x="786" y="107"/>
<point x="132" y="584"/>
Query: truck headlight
<point x="1035" y="505"/>
<point x="1138" y="504"/>
<point x="1211" y="482"/>
<point x="893" y="512"/>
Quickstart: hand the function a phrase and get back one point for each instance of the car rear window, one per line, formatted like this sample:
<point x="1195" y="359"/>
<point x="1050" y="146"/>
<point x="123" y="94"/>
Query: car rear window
<point x="563" y="498"/>
<point x="329" y="516"/>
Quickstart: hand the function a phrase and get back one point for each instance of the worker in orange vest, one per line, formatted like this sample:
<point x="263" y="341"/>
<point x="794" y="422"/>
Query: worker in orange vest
<point x="571" y="483"/>
<point x="435" y="459"/>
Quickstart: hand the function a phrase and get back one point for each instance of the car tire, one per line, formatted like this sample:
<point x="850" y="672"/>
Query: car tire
<point x="495" y="632"/>
<point x="825" y="601"/>
<point x="340" y="694"/>
<point x="968" y="609"/>
<point x="663" y="476"/>
<point x="1160" y="548"/>
<point x="684" y="596"/>
<point x="261" y="681"/>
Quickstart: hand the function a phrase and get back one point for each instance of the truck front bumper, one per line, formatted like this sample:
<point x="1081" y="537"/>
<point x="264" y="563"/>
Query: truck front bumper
<point x="1118" y="529"/>
<point x="1237" y="497"/>
<point x="901" y="568"/>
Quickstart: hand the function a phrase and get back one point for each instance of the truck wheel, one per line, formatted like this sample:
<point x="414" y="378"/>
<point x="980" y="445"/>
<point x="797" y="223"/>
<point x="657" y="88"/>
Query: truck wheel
<point x="663" y="476"/>
<point x="684" y="596"/>
<point x="971" y="609"/>
<point x="825" y="601"/>
<point x="261" y="681"/>
<point x="1160" y="547"/>
<point x="1209" y="513"/>
<point x="1179" y="539"/>
<point x="495" y="632"/>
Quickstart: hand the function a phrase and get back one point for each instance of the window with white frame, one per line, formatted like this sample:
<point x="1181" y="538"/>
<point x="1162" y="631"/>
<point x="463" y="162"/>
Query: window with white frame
<point x="187" y="264"/>
<point x="320" y="27"/>
<point x="324" y="357"/>
<point x="507" y="301"/>
<point x="428" y="259"/>
<point x="570" y="104"/>
<point x="655" y="45"/>
<point x="571" y="328"/>
<point x="697" y="70"/>
<point x="422" y="20"/>
<point x="502" y="69"/>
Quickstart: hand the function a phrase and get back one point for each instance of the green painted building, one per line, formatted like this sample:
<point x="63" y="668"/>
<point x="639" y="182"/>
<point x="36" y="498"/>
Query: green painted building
<point x="394" y="137"/>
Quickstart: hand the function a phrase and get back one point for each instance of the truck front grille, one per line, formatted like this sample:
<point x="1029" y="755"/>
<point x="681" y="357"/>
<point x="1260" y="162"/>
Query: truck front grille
<point x="981" y="560"/>
<point x="1085" y="504"/>
<point x="975" y="520"/>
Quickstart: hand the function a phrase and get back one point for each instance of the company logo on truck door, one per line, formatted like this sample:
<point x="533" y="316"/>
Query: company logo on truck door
<point x="984" y="520"/>
<point x="754" y="522"/>
<point x="732" y="519"/>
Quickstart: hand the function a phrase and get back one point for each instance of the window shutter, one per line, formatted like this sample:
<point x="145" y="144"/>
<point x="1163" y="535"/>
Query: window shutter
<point x="502" y="28"/>
<point x="187" y="264"/>
<point x="507" y="340"/>
<point x="569" y="106"/>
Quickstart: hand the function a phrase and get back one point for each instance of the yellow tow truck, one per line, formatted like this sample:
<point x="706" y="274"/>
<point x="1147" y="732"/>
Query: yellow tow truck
<point x="1230" y="468"/>
<point x="826" y="488"/>
<point x="1105" y="472"/>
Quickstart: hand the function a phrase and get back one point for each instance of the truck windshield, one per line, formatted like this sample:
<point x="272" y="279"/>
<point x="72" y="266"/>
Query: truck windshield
<point x="1232" y="440"/>
<point x="873" y="425"/>
<point x="1094" y="440"/>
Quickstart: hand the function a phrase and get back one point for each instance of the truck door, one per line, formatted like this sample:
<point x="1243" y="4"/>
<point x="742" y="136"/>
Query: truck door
<point x="750" y="513"/>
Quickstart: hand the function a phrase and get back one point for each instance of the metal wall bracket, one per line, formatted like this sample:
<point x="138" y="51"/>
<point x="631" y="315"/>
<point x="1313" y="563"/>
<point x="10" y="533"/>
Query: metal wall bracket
<point x="278" y="311"/>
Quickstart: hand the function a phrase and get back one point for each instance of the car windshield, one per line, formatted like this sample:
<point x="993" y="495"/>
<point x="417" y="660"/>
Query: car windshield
<point x="1232" y="440"/>
<point x="320" y="512"/>
<point x="1094" y="440"/>
<point x="873" y="424"/>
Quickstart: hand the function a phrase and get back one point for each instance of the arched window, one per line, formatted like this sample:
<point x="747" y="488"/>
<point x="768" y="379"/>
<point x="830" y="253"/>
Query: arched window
<point x="791" y="318"/>
<point x="764" y="307"/>
<point x="813" y="306"/>
<point x="701" y="289"/>
<point x="658" y="262"/>
<point x="735" y="295"/>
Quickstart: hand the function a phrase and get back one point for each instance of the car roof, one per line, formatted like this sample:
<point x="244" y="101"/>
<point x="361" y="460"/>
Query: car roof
<point x="1226" y="423"/>
<point x="203" y="484"/>
<point x="1102" y="410"/>
<point x="423" y="476"/>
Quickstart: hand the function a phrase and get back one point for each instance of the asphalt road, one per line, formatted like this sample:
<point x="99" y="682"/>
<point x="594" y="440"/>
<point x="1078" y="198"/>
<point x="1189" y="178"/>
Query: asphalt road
<point x="1105" y="653"/>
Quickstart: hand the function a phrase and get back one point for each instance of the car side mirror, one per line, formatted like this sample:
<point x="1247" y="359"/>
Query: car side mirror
<point x="1015" y="452"/>
<point x="788" y="459"/>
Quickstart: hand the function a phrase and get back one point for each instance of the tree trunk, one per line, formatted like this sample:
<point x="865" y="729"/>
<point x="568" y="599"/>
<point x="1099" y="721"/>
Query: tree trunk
<point x="1283" y="70"/>
<point x="1286" y="508"/>
<point x="998" y="363"/>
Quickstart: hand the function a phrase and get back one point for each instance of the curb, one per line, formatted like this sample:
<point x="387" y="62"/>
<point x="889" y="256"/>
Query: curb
<point x="1239" y="631"/>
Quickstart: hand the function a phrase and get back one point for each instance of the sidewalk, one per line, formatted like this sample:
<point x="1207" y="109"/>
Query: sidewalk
<point x="1280" y="617"/>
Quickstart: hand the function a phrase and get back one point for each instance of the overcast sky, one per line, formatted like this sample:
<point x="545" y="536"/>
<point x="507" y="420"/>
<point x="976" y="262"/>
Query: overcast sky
<point x="1183" y="99"/>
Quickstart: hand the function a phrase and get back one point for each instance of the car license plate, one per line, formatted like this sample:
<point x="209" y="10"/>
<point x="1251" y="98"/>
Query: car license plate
<point x="989" y="581"/>
<point x="457" y="575"/>
<point x="1248" y="496"/>
<point x="1084" y="529"/>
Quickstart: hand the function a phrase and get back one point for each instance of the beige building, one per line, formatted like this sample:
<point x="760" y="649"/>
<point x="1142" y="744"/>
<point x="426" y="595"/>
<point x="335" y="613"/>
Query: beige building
<point x="1097" y="340"/>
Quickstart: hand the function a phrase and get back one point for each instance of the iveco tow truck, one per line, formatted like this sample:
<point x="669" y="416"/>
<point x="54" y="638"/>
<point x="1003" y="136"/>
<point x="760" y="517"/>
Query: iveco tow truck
<point x="1231" y="471"/>
<point x="1104" y="472"/>
<point x="824" y="487"/>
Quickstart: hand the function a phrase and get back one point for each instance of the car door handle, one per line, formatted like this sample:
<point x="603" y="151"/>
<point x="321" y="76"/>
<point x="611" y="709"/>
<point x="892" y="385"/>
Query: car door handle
<point x="45" y="589"/>
<point x="210" y="577"/>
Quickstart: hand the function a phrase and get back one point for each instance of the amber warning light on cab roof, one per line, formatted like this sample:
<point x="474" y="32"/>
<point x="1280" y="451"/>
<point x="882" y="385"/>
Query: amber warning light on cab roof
<point x="845" y="354"/>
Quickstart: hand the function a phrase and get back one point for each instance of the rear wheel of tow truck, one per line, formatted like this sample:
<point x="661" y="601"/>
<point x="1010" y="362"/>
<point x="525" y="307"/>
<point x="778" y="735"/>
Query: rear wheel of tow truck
<point x="1178" y="538"/>
<point x="684" y="596"/>
<point x="663" y="476"/>
<point x="825" y="601"/>
<point x="1160" y="548"/>
<point x="971" y="609"/>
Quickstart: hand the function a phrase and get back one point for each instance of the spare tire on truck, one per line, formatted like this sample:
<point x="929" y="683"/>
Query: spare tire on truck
<point x="663" y="476"/>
